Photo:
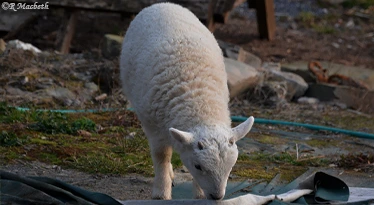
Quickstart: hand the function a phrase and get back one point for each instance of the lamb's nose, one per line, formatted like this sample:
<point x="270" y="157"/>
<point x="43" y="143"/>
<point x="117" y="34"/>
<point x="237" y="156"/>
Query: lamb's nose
<point x="216" y="196"/>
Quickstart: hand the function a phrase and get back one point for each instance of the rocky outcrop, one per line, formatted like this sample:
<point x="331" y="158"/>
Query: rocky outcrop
<point x="240" y="76"/>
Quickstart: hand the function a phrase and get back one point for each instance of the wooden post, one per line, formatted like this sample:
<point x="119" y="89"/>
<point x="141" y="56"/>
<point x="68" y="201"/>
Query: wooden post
<point x="265" y="17"/>
<point x="66" y="33"/>
<point x="210" y="23"/>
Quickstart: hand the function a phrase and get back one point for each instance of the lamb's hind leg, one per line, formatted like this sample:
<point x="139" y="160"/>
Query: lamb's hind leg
<point x="162" y="184"/>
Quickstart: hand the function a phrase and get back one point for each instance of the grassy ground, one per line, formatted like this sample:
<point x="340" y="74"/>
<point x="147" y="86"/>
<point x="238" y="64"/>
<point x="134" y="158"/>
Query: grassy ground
<point x="114" y="143"/>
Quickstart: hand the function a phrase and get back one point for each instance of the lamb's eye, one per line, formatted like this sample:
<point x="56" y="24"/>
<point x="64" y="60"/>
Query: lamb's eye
<point x="198" y="167"/>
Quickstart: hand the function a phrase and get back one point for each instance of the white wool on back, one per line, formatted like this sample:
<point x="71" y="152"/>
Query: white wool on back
<point x="172" y="70"/>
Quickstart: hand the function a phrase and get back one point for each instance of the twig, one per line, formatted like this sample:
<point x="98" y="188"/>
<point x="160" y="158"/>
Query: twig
<point x="309" y="158"/>
<point x="297" y="152"/>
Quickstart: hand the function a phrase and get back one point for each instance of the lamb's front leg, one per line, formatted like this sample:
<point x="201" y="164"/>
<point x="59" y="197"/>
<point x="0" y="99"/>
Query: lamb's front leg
<point x="162" y="184"/>
<point x="198" y="193"/>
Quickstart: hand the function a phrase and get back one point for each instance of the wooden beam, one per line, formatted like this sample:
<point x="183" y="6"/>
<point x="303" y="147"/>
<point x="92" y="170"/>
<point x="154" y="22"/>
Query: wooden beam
<point x="265" y="17"/>
<point x="66" y="32"/>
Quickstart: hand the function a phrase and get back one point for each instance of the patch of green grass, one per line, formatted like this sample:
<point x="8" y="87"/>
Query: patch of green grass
<point x="83" y="124"/>
<point x="243" y="157"/>
<point x="42" y="142"/>
<point x="176" y="161"/>
<point x="307" y="18"/>
<point x="9" y="139"/>
<point x="255" y="173"/>
<point x="267" y="139"/>
<point x="55" y="123"/>
<point x="266" y="166"/>
<point x="47" y="122"/>
<point x="287" y="158"/>
<point x="10" y="115"/>
<point x="323" y="29"/>
<point x="109" y="162"/>
<point x="49" y="157"/>
<point x="321" y="24"/>
<point x="122" y="149"/>
<point x="351" y="122"/>
<point x="321" y="143"/>
<point x="8" y="154"/>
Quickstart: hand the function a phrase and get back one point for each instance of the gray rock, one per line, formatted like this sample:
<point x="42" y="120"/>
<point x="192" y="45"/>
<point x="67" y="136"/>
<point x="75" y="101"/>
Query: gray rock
<point x="249" y="58"/>
<point x="268" y="93"/>
<point x="64" y="95"/>
<point x="335" y="45"/>
<point x="355" y="98"/>
<point x="81" y="76"/>
<point x="229" y="50"/>
<point x="231" y="53"/>
<point x="307" y="100"/>
<point x="271" y="66"/>
<point x="361" y="100"/>
<point x="17" y="44"/>
<point x="296" y="85"/>
<point x="111" y="46"/>
<point x="16" y="91"/>
<point x="340" y="105"/>
<point x="300" y="68"/>
<point x="350" y="23"/>
<point x="43" y="83"/>
<point x="240" y="76"/>
<point x="305" y="148"/>
<point x="364" y="75"/>
<point x="92" y="87"/>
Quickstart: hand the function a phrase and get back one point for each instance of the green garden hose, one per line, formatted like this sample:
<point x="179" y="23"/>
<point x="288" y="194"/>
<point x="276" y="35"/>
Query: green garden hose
<point x="237" y="119"/>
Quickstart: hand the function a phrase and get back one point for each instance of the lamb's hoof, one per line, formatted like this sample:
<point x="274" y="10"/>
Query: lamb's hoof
<point x="200" y="197"/>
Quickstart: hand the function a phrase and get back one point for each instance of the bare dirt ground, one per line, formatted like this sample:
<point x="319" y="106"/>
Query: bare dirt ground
<point x="305" y="31"/>
<point x="299" y="37"/>
<point x="352" y="46"/>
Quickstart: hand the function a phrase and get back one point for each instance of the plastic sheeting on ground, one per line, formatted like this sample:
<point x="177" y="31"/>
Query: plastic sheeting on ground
<point x="310" y="188"/>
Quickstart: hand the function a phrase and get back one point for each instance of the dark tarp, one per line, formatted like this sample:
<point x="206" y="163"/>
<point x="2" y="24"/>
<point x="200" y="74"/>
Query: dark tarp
<point x="17" y="189"/>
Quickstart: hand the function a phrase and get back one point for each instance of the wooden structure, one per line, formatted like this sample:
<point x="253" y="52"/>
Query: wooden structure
<point x="265" y="17"/>
<point x="209" y="11"/>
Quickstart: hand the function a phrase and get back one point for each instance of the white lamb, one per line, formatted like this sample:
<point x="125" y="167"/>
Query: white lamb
<point x="173" y="73"/>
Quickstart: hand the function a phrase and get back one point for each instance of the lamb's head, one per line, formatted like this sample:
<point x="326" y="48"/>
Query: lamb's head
<point x="209" y="153"/>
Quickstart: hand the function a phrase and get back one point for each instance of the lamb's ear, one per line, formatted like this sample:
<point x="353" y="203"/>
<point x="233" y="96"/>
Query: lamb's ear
<point x="180" y="136"/>
<point x="241" y="130"/>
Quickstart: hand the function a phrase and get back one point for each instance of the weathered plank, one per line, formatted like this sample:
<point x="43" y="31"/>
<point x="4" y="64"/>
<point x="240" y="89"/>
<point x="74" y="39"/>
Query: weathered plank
<point x="265" y="17"/>
<point x="67" y="30"/>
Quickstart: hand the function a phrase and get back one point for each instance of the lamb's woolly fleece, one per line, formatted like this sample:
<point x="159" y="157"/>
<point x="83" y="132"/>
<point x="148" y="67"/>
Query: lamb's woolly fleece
<point x="172" y="70"/>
